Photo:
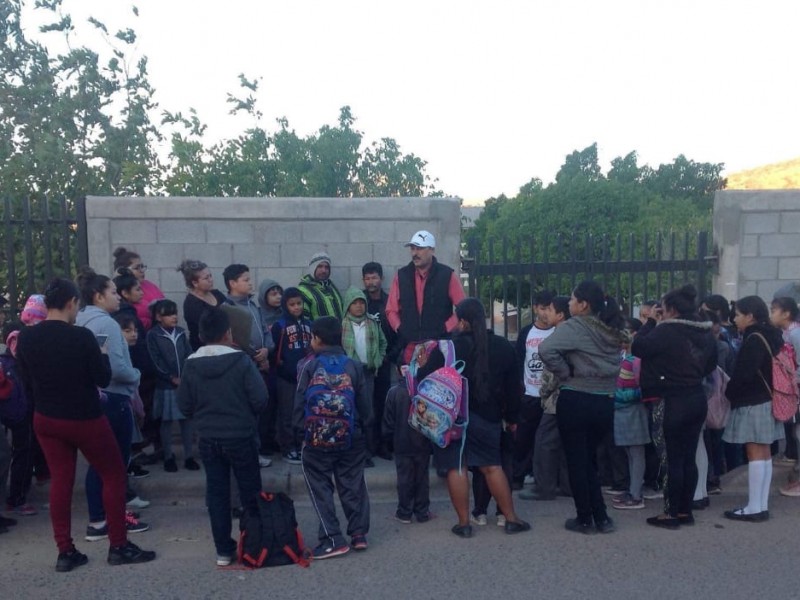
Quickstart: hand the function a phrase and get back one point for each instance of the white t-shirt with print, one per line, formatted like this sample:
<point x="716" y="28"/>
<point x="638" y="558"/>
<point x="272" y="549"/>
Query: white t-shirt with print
<point x="532" y="370"/>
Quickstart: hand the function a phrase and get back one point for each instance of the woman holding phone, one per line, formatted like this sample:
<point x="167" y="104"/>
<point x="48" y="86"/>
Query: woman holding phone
<point x="62" y="366"/>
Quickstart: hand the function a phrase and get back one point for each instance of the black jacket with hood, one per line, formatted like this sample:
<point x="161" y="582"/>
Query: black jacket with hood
<point x="676" y="353"/>
<point x="223" y="391"/>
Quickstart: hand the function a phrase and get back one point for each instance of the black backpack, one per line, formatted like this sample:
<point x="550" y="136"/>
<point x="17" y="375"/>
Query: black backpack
<point x="269" y="537"/>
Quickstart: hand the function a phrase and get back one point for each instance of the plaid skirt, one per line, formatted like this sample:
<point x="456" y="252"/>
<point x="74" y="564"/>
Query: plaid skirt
<point x="632" y="425"/>
<point x="165" y="406"/>
<point x="753" y="425"/>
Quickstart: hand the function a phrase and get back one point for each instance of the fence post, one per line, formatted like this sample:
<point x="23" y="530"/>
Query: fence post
<point x="702" y="267"/>
<point x="82" y="241"/>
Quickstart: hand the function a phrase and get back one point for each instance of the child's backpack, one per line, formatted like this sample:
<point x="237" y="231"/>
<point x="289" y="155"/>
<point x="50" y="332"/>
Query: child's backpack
<point x="784" y="392"/>
<point x="13" y="407"/>
<point x="330" y="404"/>
<point x="719" y="407"/>
<point x="269" y="537"/>
<point x="627" y="390"/>
<point x="439" y="406"/>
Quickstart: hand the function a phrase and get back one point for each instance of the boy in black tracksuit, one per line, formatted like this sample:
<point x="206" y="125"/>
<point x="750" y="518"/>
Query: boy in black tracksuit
<point x="322" y="466"/>
<point x="412" y="452"/>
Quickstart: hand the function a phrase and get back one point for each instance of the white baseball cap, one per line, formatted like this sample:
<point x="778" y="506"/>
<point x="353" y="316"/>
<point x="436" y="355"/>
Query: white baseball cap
<point x="422" y="239"/>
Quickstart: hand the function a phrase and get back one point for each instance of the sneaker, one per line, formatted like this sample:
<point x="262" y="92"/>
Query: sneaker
<point x="224" y="560"/>
<point x="132" y="525"/>
<point x="293" y="458"/>
<point x="403" y="520"/>
<point x="190" y="464"/>
<point x="792" y="490"/>
<point x="605" y="526"/>
<point x="478" y="519"/>
<point x="7" y="521"/>
<point x="613" y="491"/>
<point x="714" y="490"/>
<point x="501" y="520"/>
<point x="137" y="472"/>
<point x="627" y="502"/>
<point x="653" y="494"/>
<point x="129" y="554"/>
<point x="170" y="466"/>
<point x="264" y="462"/>
<point x="579" y="526"/>
<point x="69" y="560"/>
<point x="137" y="502"/>
<point x="23" y="510"/>
<point x="359" y="543"/>
<point x="328" y="549"/>
<point x="529" y="480"/>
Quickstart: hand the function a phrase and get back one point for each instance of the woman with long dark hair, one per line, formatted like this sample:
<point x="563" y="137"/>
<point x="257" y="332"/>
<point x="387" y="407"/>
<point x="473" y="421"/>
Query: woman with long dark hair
<point x="491" y="370"/>
<point x="676" y="355"/>
<point x="750" y="392"/>
<point x="584" y="353"/>
<point x="62" y="367"/>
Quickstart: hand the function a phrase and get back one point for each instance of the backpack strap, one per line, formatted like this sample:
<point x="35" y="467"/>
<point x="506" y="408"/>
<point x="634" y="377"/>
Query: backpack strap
<point x="301" y="560"/>
<point x="772" y="357"/>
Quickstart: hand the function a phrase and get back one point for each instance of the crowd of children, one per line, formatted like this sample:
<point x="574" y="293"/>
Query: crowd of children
<point x="253" y="375"/>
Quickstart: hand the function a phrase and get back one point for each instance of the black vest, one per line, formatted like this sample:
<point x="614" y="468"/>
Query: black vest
<point x="436" y="304"/>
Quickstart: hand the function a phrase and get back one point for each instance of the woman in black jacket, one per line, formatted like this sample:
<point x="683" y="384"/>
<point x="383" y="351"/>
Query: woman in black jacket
<point x="676" y="355"/>
<point x="487" y="358"/>
<point x="750" y="393"/>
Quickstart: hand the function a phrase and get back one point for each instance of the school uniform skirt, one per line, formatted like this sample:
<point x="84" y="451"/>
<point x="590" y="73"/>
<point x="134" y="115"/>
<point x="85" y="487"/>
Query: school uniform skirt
<point x="481" y="448"/>
<point x="753" y="425"/>
<point x="165" y="406"/>
<point x="631" y="425"/>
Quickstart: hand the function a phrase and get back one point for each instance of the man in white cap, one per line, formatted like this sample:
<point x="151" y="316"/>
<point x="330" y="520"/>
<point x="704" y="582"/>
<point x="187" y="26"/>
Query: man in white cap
<point x="422" y="296"/>
<point x="320" y="296"/>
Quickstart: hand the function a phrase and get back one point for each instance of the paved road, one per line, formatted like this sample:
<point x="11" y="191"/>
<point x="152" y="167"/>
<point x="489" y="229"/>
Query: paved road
<point x="714" y="559"/>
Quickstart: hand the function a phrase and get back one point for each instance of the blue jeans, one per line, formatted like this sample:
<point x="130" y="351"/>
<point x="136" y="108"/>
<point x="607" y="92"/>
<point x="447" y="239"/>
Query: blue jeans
<point x="220" y="457"/>
<point x="118" y="412"/>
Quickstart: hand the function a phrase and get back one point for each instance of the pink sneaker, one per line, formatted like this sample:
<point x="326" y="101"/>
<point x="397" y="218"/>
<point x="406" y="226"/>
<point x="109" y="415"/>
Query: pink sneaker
<point x="792" y="490"/>
<point x="23" y="510"/>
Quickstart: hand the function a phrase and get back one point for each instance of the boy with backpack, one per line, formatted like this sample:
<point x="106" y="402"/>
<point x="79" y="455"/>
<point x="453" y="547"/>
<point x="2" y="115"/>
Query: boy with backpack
<point x="223" y="391"/>
<point x="333" y="411"/>
<point x="412" y="453"/>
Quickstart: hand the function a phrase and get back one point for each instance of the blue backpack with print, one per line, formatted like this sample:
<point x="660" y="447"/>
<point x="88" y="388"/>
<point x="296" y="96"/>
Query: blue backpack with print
<point x="330" y="404"/>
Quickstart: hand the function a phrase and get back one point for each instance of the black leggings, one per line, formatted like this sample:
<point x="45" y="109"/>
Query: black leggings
<point x="684" y="414"/>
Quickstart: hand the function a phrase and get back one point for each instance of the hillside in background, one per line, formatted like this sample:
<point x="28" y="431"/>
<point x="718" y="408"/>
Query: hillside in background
<point x="777" y="176"/>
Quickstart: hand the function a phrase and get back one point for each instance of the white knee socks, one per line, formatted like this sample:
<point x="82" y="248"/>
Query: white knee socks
<point x="701" y="459"/>
<point x="756" y="470"/>
<point x="766" y="484"/>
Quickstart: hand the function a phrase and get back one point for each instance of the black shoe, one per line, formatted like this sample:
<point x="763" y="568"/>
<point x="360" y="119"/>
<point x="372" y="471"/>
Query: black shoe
<point x="69" y="560"/>
<point x="516" y="526"/>
<point x="686" y="519"/>
<point x="701" y="504"/>
<point x="368" y="463"/>
<point x="463" y="531"/>
<point x="170" y="466"/>
<point x="665" y="522"/>
<point x="129" y="554"/>
<point x="605" y="526"/>
<point x="137" y="472"/>
<point x="190" y="464"/>
<point x="7" y="522"/>
<point x="3" y="529"/>
<point x="579" y="526"/>
<point x="737" y="515"/>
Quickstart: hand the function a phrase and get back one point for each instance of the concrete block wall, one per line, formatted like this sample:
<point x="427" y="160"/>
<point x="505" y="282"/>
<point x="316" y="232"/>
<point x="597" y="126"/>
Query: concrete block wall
<point x="275" y="237"/>
<point x="757" y="234"/>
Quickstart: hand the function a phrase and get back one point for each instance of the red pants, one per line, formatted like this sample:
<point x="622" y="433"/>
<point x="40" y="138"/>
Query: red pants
<point x="60" y="440"/>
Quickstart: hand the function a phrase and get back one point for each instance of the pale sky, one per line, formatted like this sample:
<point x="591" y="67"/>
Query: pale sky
<point x="494" y="93"/>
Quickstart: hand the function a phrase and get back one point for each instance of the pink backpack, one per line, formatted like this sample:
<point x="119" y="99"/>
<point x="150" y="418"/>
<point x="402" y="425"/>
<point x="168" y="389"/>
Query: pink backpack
<point x="439" y="406"/>
<point x="784" y="392"/>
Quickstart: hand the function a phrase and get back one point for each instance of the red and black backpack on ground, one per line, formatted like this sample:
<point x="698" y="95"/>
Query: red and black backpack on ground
<point x="270" y="537"/>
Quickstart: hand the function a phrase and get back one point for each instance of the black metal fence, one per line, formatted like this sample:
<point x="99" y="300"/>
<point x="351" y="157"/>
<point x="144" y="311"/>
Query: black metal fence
<point x="632" y="268"/>
<point x="40" y="238"/>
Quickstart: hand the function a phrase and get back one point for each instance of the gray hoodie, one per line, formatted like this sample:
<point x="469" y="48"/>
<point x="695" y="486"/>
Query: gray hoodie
<point x="124" y="377"/>
<point x="269" y="314"/>
<point x="258" y="336"/>
<point x="584" y="353"/>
